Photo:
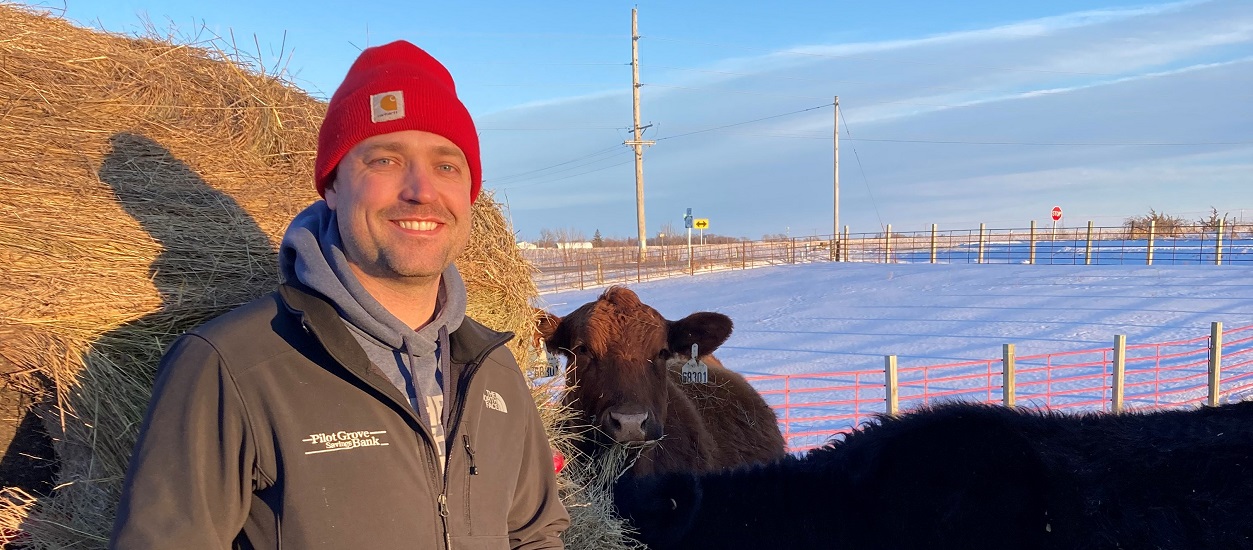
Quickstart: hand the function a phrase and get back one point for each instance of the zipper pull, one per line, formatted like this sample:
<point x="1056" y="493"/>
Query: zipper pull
<point x="443" y="505"/>
<point x="474" y="470"/>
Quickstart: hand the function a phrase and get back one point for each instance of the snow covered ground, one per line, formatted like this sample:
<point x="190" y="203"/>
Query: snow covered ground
<point x="843" y="317"/>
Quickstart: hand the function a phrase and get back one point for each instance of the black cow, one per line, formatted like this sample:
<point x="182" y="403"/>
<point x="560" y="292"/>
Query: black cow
<point x="967" y="476"/>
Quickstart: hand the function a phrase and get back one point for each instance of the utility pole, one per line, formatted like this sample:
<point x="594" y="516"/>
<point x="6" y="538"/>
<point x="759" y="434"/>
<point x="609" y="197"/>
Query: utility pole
<point x="835" y="228"/>
<point x="637" y="143"/>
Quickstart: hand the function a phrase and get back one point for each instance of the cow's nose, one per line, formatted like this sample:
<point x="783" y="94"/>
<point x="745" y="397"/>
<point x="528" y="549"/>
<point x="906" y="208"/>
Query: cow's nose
<point x="627" y="427"/>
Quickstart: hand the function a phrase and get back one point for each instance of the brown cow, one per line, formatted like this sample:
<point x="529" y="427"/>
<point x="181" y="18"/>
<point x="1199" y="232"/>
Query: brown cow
<point x="623" y="375"/>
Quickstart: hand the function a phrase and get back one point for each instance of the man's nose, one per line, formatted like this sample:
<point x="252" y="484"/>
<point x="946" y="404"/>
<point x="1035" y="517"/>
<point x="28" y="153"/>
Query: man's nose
<point x="419" y="185"/>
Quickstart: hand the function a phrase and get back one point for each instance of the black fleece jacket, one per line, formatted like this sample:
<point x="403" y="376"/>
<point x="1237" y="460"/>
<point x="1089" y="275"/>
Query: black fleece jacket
<point x="270" y="428"/>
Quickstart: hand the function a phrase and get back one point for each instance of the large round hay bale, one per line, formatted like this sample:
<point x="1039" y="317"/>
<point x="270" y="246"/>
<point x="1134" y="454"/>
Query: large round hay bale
<point x="144" y="188"/>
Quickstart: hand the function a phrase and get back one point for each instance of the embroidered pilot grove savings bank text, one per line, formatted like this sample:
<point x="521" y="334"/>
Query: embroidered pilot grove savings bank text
<point x="344" y="441"/>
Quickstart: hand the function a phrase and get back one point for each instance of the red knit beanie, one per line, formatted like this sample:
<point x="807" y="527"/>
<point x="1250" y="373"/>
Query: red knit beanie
<point x="391" y="88"/>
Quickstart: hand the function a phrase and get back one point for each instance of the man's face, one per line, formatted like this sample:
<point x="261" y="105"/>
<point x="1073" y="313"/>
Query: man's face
<point x="403" y="203"/>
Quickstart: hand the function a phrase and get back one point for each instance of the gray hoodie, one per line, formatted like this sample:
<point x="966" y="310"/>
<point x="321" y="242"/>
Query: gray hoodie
<point x="312" y="253"/>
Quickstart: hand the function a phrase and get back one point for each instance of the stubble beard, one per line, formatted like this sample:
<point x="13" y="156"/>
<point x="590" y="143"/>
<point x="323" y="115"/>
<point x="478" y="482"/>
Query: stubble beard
<point x="418" y="265"/>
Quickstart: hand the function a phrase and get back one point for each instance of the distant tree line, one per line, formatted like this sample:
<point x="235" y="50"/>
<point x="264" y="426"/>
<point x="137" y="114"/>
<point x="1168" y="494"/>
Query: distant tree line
<point x="1167" y="225"/>
<point x="668" y="235"/>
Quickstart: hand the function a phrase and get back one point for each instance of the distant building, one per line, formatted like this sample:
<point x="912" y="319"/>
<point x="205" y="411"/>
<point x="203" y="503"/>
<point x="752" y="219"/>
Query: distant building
<point x="523" y="245"/>
<point x="584" y="244"/>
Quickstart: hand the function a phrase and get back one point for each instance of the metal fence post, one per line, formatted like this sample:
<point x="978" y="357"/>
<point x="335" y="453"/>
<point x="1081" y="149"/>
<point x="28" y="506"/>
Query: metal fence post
<point x="1009" y="387"/>
<point x="982" y="226"/>
<point x="933" y="227"/>
<point x="1218" y="244"/>
<point x="887" y="245"/>
<point x="893" y="398"/>
<point x="787" y="410"/>
<point x="1215" y="361"/>
<point x="1120" y="372"/>
<point x="1152" y="230"/>
<point x="845" y="245"/>
<point x="1031" y="252"/>
<point x="580" y="274"/>
<point x="1087" y="252"/>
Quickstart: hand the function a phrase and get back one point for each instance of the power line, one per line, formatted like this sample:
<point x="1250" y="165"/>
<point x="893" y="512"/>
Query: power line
<point x="697" y="88"/>
<point x="587" y="156"/>
<point x="534" y="64"/>
<point x="535" y="174"/>
<point x="570" y="176"/>
<point x="746" y="122"/>
<point x="541" y="128"/>
<point x="862" y="169"/>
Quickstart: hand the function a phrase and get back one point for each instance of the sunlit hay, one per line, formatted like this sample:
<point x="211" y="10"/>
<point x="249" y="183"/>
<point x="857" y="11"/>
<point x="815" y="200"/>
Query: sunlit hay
<point x="588" y="493"/>
<point x="500" y="279"/>
<point x="145" y="186"/>
<point x="586" y="483"/>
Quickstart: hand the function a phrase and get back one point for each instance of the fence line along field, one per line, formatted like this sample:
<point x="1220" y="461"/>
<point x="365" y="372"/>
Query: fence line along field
<point x="1210" y="370"/>
<point x="1218" y="244"/>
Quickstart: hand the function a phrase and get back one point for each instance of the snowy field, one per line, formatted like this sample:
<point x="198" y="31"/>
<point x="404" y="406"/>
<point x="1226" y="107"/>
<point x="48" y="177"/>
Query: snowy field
<point x="845" y="317"/>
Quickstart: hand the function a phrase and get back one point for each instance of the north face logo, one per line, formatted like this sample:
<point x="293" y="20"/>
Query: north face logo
<point x="494" y="401"/>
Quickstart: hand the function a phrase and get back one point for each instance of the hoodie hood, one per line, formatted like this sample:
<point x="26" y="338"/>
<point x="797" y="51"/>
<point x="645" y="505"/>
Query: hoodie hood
<point x="312" y="253"/>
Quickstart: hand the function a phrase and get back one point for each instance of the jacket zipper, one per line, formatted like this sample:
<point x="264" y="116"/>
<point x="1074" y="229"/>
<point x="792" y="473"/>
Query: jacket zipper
<point x="471" y="369"/>
<point x="463" y="390"/>
<point x="443" y="514"/>
<point x="425" y="441"/>
<point x="474" y="470"/>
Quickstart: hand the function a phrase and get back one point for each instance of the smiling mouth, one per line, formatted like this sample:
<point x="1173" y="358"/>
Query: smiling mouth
<point x="417" y="225"/>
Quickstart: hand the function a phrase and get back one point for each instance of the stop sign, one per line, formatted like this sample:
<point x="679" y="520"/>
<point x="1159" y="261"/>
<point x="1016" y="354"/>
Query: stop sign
<point x="1057" y="213"/>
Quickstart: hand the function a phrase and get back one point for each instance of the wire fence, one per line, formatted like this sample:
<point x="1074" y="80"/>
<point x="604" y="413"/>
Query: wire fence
<point x="580" y="268"/>
<point x="1210" y="369"/>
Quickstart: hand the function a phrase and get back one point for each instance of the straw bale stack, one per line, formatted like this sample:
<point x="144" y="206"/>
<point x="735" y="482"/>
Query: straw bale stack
<point x="144" y="188"/>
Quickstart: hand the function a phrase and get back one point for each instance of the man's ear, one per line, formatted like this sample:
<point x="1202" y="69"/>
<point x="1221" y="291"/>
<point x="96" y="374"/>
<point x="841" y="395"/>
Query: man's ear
<point x="328" y="192"/>
<point x="706" y="329"/>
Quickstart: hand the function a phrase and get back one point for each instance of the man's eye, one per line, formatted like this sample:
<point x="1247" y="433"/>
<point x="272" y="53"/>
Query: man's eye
<point x="448" y="168"/>
<point x="382" y="162"/>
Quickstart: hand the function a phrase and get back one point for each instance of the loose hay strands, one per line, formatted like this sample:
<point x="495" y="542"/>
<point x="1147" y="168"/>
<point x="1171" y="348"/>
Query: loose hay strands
<point x="144" y="187"/>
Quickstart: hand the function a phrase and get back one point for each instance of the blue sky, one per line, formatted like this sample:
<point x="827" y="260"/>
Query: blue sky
<point x="953" y="113"/>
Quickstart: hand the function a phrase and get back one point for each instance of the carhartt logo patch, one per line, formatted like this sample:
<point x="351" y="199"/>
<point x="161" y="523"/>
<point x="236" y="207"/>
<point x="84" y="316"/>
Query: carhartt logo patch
<point x="494" y="401"/>
<point x="387" y="106"/>
<point x="344" y="441"/>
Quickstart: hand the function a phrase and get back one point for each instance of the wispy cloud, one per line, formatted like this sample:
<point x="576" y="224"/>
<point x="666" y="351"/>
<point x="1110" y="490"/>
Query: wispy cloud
<point x="969" y="122"/>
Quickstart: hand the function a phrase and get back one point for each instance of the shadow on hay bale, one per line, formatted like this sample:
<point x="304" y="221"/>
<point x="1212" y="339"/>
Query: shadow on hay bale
<point x="213" y="257"/>
<point x="222" y="258"/>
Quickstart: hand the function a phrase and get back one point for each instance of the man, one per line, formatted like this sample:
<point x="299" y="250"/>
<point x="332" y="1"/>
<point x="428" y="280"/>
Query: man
<point x="356" y="406"/>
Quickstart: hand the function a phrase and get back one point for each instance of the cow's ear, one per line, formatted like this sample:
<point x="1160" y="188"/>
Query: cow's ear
<point x="546" y="323"/>
<point x="706" y="329"/>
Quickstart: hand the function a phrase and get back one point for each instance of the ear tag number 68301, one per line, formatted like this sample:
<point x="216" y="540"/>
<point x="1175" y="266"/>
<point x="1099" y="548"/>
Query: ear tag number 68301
<point x="694" y="371"/>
